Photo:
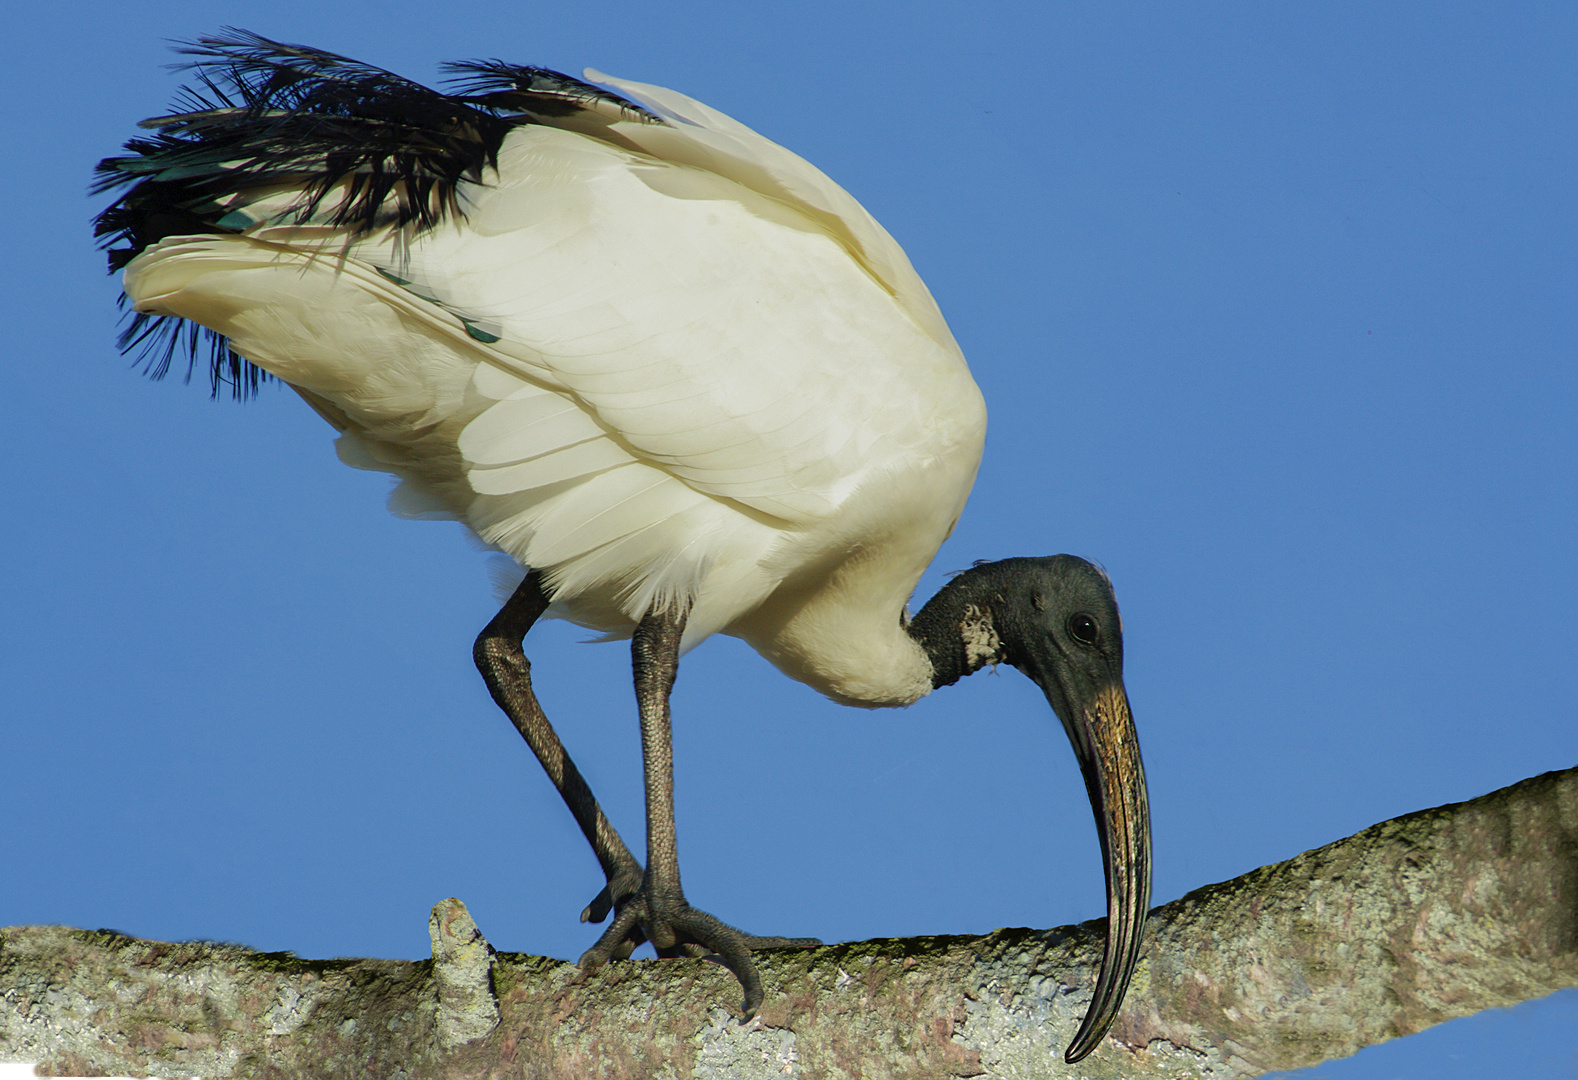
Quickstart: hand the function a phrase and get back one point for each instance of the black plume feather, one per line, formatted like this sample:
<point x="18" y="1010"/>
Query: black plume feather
<point x="263" y="113"/>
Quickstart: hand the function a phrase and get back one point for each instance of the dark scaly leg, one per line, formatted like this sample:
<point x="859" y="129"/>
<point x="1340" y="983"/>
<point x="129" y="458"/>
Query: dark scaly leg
<point x="659" y="911"/>
<point x="507" y="672"/>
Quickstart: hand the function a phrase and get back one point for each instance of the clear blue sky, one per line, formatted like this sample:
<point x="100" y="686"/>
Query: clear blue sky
<point x="1273" y="307"/>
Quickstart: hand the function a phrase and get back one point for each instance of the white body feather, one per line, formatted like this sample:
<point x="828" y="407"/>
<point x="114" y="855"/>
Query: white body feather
<point x="658" y="362"/>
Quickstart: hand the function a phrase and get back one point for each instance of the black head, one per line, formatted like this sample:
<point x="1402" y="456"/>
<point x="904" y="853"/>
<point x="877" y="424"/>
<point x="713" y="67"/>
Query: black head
<point x="1056" y="620"/>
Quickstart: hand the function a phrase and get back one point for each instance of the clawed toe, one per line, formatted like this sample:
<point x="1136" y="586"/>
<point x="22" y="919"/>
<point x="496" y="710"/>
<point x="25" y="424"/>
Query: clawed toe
<point x="623" y="884"/>
<point x="598" y="909"/>
<point x="681" y="930"/>
<point x="618" y="941"/>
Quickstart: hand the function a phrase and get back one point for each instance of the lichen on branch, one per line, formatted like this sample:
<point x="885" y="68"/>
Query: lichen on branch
<point x="1420" y="919"/>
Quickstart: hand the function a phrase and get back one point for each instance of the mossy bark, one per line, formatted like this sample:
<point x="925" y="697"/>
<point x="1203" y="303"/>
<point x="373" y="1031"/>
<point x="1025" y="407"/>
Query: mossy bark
<point x="1414" y="921"/>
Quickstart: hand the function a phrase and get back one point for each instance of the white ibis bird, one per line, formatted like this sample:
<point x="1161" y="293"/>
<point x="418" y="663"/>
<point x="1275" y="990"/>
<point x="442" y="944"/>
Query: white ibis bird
<point x="662" y="362"/>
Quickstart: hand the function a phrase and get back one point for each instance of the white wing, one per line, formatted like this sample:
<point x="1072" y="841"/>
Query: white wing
<point x="643" y="361"/>
<point x="718" y="334"/>
<point x="705" y="138"/>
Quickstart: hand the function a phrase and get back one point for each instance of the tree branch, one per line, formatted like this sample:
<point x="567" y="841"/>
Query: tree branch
<point x="1421" y="919"/>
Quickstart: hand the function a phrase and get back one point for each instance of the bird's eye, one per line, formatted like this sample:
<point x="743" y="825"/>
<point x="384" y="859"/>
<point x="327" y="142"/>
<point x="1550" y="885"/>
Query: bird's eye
<point x="1083" y="628"/>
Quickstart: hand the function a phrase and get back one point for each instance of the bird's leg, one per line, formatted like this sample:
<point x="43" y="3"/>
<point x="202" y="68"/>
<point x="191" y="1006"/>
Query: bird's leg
<point x="507" y="672"/>
<point x="659" y="911"/>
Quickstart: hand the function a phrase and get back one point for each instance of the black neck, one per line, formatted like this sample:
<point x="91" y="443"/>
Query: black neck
<point x="956" y="626"/>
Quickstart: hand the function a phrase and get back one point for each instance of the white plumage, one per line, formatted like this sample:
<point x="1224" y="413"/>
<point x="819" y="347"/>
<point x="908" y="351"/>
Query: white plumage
<point x="658" y="362"/>
<point x="657" y="359"/>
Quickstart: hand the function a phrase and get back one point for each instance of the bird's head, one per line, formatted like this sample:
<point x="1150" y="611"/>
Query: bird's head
<point x="1056" y="620"/>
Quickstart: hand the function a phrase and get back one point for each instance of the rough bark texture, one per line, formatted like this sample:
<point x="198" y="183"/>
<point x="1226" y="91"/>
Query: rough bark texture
<point x="1414" y="921"/>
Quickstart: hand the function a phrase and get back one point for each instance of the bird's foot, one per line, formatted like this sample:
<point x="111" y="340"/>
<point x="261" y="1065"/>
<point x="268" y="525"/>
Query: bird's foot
<point x="622" y="885"/>
<point x="677" y="929"/>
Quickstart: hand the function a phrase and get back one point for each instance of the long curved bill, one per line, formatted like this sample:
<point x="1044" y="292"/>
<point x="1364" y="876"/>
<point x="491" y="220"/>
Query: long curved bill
<point x="1102" y="731"/>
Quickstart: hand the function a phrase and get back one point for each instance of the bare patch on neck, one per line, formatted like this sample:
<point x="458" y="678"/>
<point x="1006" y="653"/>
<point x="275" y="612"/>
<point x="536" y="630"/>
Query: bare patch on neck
<point x="981" y="643"/>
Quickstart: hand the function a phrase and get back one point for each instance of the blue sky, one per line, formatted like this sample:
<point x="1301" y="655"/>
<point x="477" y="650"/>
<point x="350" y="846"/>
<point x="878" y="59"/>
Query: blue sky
<point x="1273" y="307"/>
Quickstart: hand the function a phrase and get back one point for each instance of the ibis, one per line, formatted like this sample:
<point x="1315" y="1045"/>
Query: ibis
<point x="666" y="365"/>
